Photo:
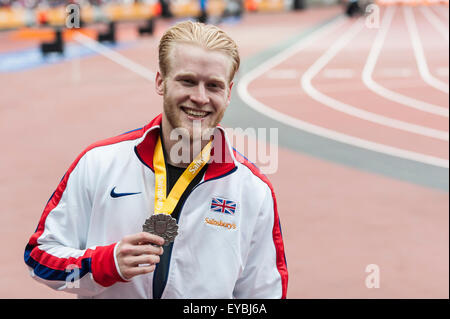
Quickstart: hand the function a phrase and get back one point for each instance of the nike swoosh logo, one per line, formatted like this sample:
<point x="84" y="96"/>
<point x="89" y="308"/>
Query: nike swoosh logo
<point x="115" y="195"/>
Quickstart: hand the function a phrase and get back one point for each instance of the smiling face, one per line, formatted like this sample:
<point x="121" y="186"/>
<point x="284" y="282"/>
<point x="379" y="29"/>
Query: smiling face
<point x="196" y="87"/>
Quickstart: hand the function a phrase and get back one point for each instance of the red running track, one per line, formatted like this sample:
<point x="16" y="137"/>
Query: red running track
<point x="341" y="80"/>
<point x="336" y="219"/>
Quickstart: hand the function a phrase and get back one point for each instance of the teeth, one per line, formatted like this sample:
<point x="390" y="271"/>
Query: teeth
<point x="195" y="113"/>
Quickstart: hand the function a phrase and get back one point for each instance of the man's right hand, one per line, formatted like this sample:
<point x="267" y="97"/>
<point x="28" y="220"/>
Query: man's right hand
<point x="138" y="249"/>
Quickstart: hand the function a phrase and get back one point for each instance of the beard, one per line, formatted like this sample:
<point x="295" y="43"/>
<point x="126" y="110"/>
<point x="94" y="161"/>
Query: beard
<point x="195" y="129"/>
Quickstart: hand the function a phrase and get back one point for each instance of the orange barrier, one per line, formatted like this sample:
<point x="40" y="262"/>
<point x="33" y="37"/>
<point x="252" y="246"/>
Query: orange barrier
<point x="12" y="18"/>
<point x="48" y="34"/>
<point x="270" y="5"/>
<point x="185" y="8"/>
<point x="250" y="5"/>
<point x="191" y="8"/>
<point x="157" y="9"/>
<point x="135" y="11"/>
<point x="18" y="17"/>
<point x="53" y="16"/>
<point x="264" y="5"/>
<point x="215" y="7"/>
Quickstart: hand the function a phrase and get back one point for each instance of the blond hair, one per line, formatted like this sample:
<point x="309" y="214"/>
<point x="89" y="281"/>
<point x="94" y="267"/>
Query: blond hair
<point x="206" y="36"/>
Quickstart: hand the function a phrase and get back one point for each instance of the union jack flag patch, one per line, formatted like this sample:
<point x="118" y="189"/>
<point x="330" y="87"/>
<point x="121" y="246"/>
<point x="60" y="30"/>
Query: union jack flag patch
<point x="220" y="205"/>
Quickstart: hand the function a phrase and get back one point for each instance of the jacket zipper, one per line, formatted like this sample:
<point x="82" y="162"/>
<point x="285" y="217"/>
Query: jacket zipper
<point x="179" y="215"/>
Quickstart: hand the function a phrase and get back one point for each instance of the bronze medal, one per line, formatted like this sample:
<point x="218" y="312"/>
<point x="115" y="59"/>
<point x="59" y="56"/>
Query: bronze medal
<point x="162" y="225"/>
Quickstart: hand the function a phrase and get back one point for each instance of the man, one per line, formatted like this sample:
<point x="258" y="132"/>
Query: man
<point x="228" y="244"/>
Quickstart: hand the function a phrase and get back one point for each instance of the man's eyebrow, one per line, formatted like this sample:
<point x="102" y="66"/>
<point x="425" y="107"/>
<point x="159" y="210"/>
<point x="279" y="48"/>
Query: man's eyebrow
<point x="184" y="74"/>
<point x="191" y="74"/>
<point x="217" y="79"/>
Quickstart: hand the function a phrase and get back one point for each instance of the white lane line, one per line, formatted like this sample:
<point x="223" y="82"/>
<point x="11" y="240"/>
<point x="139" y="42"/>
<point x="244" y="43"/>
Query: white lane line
<point x="443" y="11"/>
<point x="295" y="48"/>
<point x="328" y="101"/>
<point x="115" y="56"/>
<point x="282" y="74"/>
<point x="442" y="71"/>
<point x="419" y="52"/>
<point x="435" y="22"/>
<point x="395" y="72"/>
<point x="338" y="73"/>
<point x="242" y="89"/>
<point x="381" y="90"/>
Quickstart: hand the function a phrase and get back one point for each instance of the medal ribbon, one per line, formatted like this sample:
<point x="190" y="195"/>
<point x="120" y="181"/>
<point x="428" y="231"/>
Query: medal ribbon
<point x="166" y="205"/>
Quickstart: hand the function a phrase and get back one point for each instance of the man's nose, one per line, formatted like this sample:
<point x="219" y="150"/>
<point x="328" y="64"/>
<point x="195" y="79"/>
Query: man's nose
<point x="200" y="96"/>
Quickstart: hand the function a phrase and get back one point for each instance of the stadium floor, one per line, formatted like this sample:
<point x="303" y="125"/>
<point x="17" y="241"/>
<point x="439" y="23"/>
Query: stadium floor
<point x="361" y="175"/>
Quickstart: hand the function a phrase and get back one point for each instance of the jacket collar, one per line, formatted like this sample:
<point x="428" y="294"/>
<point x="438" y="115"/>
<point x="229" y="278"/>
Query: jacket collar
<point x="222" y="157"/>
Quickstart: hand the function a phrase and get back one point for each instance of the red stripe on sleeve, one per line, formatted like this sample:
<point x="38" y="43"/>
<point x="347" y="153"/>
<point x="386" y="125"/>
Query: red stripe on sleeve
<point x="102" y="260"/>
<point x="56" y="263"/>
<point x="62" y="185"/>
<point x="276" y="231"/>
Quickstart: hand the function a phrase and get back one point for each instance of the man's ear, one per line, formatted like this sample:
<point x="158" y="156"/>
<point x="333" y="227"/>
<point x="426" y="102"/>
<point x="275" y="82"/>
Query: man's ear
<point x="229" y="92"/>
<point x="159" y="84"/>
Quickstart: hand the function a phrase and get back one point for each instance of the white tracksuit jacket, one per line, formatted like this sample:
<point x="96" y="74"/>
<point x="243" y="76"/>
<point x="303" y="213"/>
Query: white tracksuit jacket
<point x="215" y="255"/>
